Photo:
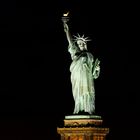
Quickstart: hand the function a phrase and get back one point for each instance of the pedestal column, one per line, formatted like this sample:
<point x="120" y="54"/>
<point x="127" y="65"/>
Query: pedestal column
<point x="83" y="129"/>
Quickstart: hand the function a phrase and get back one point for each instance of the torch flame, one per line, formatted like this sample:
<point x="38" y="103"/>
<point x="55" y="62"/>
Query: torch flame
<point x="66" y="14"/>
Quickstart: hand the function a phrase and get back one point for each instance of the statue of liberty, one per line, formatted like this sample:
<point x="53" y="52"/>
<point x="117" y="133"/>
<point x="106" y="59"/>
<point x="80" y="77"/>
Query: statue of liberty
<point x="84" y="69"/>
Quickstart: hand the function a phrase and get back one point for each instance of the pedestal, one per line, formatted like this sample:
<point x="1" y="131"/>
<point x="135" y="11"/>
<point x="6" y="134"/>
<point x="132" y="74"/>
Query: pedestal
<point x="83" y="128"/>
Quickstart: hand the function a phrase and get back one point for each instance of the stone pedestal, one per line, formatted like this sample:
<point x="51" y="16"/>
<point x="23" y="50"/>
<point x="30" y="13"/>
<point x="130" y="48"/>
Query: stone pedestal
<point x="83" y="128"/>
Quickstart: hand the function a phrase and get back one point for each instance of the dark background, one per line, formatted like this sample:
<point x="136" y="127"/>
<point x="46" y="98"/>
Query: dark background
<point x="35" y="89"/>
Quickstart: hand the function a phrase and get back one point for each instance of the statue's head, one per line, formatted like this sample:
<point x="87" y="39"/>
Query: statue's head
<point x="82" y="45"/>
<point x="81" y="42"/>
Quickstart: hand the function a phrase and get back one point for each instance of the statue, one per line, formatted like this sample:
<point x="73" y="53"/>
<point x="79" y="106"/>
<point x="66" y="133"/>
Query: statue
<point x="84" y="69"/>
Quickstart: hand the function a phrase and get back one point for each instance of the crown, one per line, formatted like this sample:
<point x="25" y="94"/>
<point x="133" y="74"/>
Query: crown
<point x="78" y="37"/>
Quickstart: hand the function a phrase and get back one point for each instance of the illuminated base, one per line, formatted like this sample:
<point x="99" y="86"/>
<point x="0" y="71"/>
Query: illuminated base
<point x="83" y="129"/>
<point x="82" y="120"/>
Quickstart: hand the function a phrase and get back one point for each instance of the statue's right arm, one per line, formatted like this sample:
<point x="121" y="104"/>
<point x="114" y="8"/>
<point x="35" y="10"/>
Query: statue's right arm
<point x="68" y="35"/>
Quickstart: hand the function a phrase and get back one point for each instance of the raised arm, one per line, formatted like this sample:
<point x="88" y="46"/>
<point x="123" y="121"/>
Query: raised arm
<point x="68" y="35"/>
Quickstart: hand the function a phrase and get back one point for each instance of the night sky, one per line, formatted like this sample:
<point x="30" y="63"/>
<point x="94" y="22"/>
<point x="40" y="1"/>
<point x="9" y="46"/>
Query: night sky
<point x="35" y="89"/>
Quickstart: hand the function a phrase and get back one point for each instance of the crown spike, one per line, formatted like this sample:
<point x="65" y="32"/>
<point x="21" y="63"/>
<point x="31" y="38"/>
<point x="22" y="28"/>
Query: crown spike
<point x="78" y="37"/>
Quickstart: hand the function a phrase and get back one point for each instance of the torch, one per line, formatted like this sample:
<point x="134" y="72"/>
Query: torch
<point x="65" y="17"/>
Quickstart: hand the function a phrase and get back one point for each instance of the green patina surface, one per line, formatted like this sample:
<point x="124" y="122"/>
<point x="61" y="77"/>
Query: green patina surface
<point x="82" y="117"/>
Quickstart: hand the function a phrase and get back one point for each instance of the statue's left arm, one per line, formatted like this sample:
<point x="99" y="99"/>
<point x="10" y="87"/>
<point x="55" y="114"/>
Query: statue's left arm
<point x="96" y="69"/>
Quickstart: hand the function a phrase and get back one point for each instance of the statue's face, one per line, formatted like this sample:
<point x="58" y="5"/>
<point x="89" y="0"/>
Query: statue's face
<point x="81" y="45"/>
